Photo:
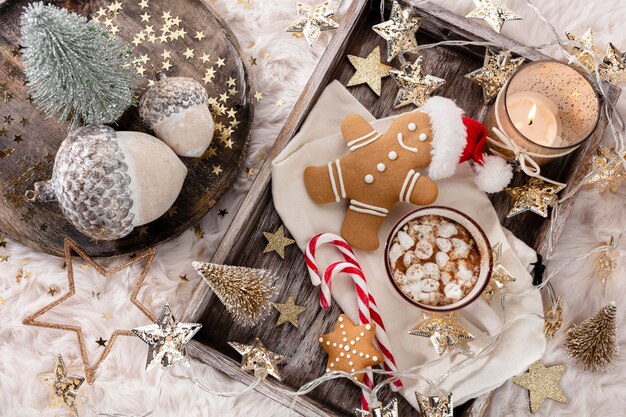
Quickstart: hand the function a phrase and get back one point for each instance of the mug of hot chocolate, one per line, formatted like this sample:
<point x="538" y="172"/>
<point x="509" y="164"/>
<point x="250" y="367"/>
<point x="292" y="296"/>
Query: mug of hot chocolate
<point x="438" y="259"/>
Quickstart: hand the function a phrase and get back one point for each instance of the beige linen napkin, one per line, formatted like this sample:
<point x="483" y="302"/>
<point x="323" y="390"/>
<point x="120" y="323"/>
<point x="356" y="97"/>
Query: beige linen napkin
<point x="318" y="142"/>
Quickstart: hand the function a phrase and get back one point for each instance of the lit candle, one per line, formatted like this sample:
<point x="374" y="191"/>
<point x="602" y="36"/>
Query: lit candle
<point x="536" y="117"/>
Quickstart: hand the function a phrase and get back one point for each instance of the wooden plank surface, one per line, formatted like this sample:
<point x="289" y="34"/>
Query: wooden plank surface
<point x="29" y="142"/>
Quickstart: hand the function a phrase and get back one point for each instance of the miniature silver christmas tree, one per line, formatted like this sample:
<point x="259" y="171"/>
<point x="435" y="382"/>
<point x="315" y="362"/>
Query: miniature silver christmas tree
<point x="76" y="70"/>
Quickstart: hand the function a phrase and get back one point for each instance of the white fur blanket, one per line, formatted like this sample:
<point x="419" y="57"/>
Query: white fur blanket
<point x="124" y="387"/>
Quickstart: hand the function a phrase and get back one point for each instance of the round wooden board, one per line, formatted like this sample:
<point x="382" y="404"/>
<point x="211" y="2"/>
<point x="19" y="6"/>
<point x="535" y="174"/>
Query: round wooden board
<point x="177" y="38"/>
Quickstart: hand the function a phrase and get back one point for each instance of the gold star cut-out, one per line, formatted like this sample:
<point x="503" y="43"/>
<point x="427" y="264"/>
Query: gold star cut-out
<point x="536" y="196"/>
<point x="399" y="31"/>
<point x="258" y="96"/>
<point x="280" y="102"/>
<point x="497" y="69"/>
<point x="256" y="356"/>
<point x="613" y="66"/>
<point x="205" y="58"/>
<point x="499" y="274"/>
<point x="369" y="70"/>
<point x="584" y="49"/>
<point x="378" y="410"/>
<point x="217" y="169"/>
<point x="231" y="82"/>
<point x="444" y="330"/>
<point x="542" y="383"/>
<point x="313" y="20"/>
<point x="62" y="386"/>
<point x="166" y="54"/>
<point x="189" y="53"/>
<point x="220" y="62"/>
<point x="277" y="242"/>
<point x="250" y="172"/>
<point x="52" y="290"/>
<point x="435" y="406"/>
<point x="415" y="86"/>
<point x="70" y="247"/>
<point x="145" y="17"/>
<point x="252" y="61"/>
<point x="289" y="312"/>
<point x="200" y="35"/>
<point x="494" y="12"/>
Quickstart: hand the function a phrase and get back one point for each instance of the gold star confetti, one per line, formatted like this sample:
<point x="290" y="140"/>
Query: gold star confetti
<point x="252" y="61"/>
<point x="197" y="230"/>
<point x="62" y="386"/>
<point x="256" y="356"/>
<point x="499" y="274"/>
<point x="494" y="12"/>
<point x="496" y="71"/>
<point x="613" y="66"/>
<point x="166" y="65"/>
<point x="583" y="52"/>
<point x="265" y="54"/>
<point x="4" y="258"/>
<point x="107" y="316"/>
<point x="52" y="290"/>
<point x="220" y="62"/>
<point x="378" y="410"/>
<point x="399" y="31"/>
<point x="101" y="342"/>
<point x="189" y="53"/>
<point x="258" y="95"/>
<point x="205" y="58"/>
<point x="277" y="242"/>
<point x="172" y="211"/>
<point x="289" y="312"/>
<point x="250" y="172"/>
<point x="183" y="278"/>
<point x="542" y="383"/>
<point x="536" y="196"/>
<point x="200" y="35"/>
<point x="553" y="319"/>
<point x="261" y="156"/>
<point x="313" y="20"/>
<point x="435" y="406"/>
<point x="228" y="144"/>
<point x="209" y="73"/>
<point x="279" y="102"/>
<point x="444" y="330"/>
<point x="610" y="170"/>
<point x="145" y="17"/>
<point x="369" y="70"/>
<point x="217" y="169"/>
<point x="415" y="86"/>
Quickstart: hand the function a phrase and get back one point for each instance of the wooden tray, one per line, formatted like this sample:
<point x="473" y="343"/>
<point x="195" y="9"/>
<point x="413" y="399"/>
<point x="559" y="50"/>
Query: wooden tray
<point x="28" y="142"/>
<point x="243" y="243"/>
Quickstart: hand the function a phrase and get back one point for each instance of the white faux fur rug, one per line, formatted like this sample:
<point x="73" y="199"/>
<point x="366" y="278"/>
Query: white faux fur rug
<point x="284" y="64"/>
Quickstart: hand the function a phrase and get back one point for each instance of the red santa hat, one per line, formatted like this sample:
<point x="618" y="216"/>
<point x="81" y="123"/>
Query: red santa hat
<point x="458" y="138"/>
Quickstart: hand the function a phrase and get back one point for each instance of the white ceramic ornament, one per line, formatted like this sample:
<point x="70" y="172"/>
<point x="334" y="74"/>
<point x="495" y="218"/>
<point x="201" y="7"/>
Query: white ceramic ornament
<point x="109" y="182"/>
<point x="176" y="109"/>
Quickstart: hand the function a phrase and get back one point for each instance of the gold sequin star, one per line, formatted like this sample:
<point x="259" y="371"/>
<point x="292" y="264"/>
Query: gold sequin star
<point x="610" y="170"/>
<point x="63" y="386"/>
<point x="583" y="48"/>
<point x="415" y="86"/>
<point x="277" y="241"/>
<point x="399" y="31"/>
<point x="378" y="410"/>
<point x="499" y="274"/>
<point x="613" y="66"/>
<point x="435" y="406"/>
<point x="494" y="12"/>
<point x="289" y="312"/>
<point x="496" y="71"/>
<point x="312" y="21"/>
<point x="444" y="330"/>
<point x="542" y="383"/>
<point x="536" y="196"/>
<point x="256" y="356"/>
<point x="369" y="70"/>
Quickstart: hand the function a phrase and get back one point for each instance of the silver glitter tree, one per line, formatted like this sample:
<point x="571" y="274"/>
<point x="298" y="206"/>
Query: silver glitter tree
<point x="76" y="70"/>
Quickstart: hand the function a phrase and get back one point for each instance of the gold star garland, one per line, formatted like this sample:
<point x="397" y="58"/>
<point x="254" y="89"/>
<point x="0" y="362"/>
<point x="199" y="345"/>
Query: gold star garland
<point x="435" y="406"/>
<point x="494" y="12"/>
<point x="399" y="31"/>
<point x="608" y="170"/>
<point x="613" y="66"/>
<point x="499" y="274"/>
<point x="583" y="48"/>
<point x="497" y="69"/>
<point x="257" y="359"/>
<point x="415" y="86"/>
<point x="444" y="330"/>
<point x="378" y="410"/>
<point x="606" y="264"/>
<point x="313" y="20"/>
<point x="553" y="319"/>
<point x="535" y="196"/>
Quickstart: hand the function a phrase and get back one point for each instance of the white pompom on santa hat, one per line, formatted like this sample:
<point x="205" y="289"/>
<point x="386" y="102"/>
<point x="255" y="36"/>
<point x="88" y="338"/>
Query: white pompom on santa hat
<point x="458" y="138"/>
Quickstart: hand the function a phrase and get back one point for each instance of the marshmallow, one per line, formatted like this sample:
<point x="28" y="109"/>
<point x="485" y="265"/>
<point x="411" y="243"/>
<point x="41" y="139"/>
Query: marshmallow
<point x="447" y="230"/>
<point x="443" y="244"/>
<point x="406" y="241"/>
<point x="395" y="252"/>
<point x="431" y="270"/>
<point x="453" y="291"/>
<point x="415" y="273"/>
<point x="423" y="250"/>
<point x="429" y="285"/>
<point x="460" y="249"/>
<point x="442" y="259"/>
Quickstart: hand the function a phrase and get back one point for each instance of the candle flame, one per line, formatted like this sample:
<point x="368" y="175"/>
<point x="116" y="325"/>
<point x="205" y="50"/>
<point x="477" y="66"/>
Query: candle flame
<point x="531" y="114"/>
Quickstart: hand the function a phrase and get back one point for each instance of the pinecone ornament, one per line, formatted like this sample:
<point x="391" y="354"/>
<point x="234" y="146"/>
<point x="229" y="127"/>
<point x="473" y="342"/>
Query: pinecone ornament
<point x="109" y="182"/>
<point x="176" y="109"/>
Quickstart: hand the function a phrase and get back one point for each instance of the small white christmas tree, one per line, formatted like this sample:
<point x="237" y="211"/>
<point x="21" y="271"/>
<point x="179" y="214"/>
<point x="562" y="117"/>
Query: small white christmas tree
<point x="76" y="70"/>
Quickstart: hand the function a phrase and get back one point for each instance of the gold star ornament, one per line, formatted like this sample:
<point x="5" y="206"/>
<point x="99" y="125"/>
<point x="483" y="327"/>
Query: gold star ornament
<point x="606" y="264"/>
<point x="496" y="71"/>
<point x="313" y="20"/>
<point x="289" y="312"/>
<point x="444" y="330"/>
<point x="369" y="70"/>
<point x="378" y="410"/>
<point x="536" y="196"/>
<point x="493" y="12"/>
<point x="167" y="340"/>
<point x="542" y="383"/>
<point x="609" y="170"/>
<point x="415" y="86"/>
<point x="256" y="358"/>
<point x="63" y="386"/>
<point x="499" y="274"/>
<point x="399" y="31"/>
<point x="435" y="406"/>
<point x="613" y="66"/>
<point x="553" y="319"/>
<point x="582" y="48"/>
<point x="277" y="242"/>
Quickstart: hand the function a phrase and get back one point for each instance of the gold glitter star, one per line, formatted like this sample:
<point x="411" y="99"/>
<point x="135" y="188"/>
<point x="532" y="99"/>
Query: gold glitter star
<point x="444" y="330"/>
<point x="279" y="102"/>
<point x="200" y="35"/>
<point x="584" y="48"/>
<point x="217" y="169"/>
<point x="277" y="242"/>
<point x="496" y="71"/>
<point x="499" y="274"/>
<point x="258" y="96"/>
<point x="312" y="21"/>
<point x="415" y="86"/>
<point x="52" y="290"/>
<point x="289" y="312"/>
<point x="220" y="62"/>
<point x="369" y="70"/>
<point x="399" y="31"/>
<point x="63" y="386"/>
<point x="536" y="196"/>
<point x="435" y="406"/>
<point x="542" y="383"/>
<point x="107" y="316"/>
<point x="257" y="356"/>
<point x="553" y="319"/>
<point x="610" y="170"/>
<point x="189" y="53"/>
<point x="378" y="410"/>
<point x="494" y="12"/>
<point x="613" y="66"/>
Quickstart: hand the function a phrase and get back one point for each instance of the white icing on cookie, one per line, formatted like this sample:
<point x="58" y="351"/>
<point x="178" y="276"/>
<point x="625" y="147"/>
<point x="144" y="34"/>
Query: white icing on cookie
<point x="369" y="178"/>
<point x="412" y="127"/>
<point x="401" y="142"/>
<point x="393" y="155"/>
<point x="380" y="167"/>
<point x="423" y="137"/>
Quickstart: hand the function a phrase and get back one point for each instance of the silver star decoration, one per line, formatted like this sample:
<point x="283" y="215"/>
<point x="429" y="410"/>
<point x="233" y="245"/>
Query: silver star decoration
<point x="62" y="386"/>
<point x="494" y="12"/>
<point x="535" y="196"/>
<point x="435" y="406"/>
<point x="378" y="410"/>
<point x="312" y="21"/>
<point x="167" y="340"/>
<point x="415" y="86"/>
<point x="399" y="31"/>
<point x="256" y="357"/>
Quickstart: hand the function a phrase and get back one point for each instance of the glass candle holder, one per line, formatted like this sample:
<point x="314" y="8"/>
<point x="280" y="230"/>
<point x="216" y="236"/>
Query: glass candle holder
<point x="547" y="108"/>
